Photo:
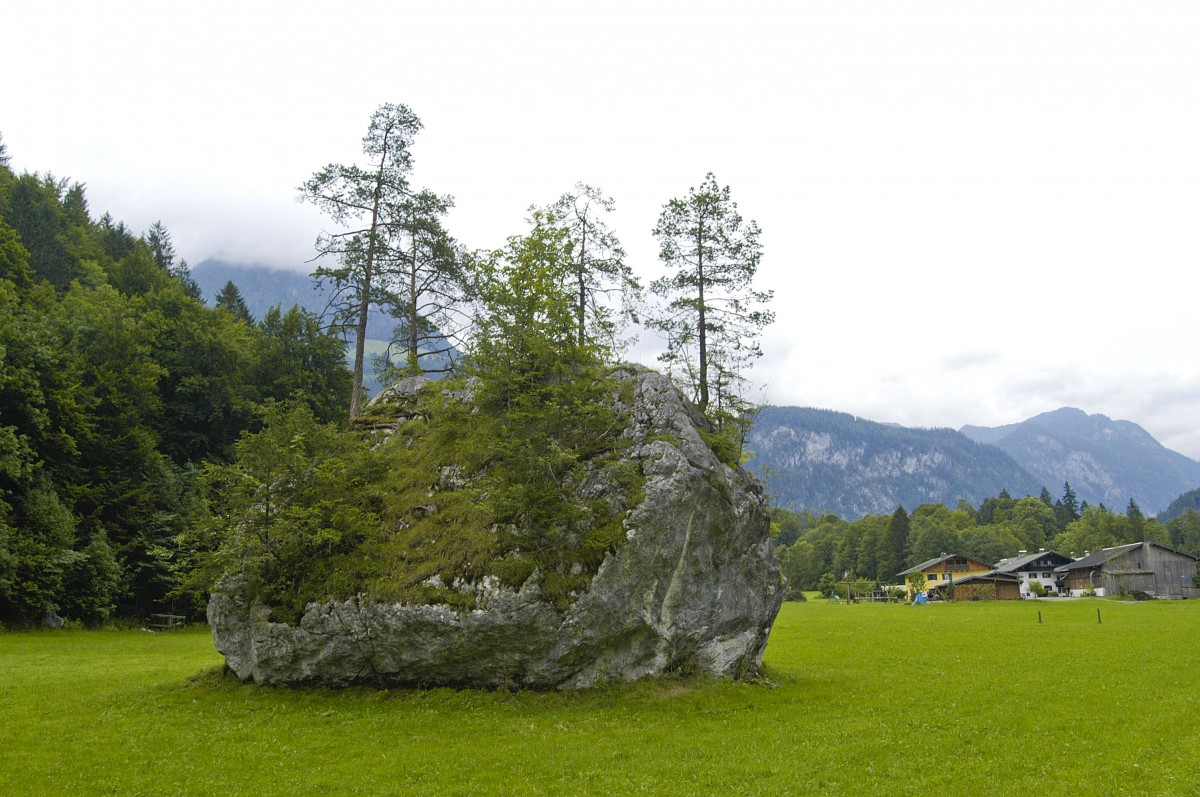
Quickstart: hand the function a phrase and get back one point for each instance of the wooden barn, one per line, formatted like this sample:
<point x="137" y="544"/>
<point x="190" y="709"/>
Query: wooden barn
<point x="993" y="584"/>
<point x="1138" y="567"/>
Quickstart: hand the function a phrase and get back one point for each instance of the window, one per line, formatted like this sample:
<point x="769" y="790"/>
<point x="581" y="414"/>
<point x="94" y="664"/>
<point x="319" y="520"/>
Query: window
<point x="932" y="577"/>
<point x="1045" y="575"/>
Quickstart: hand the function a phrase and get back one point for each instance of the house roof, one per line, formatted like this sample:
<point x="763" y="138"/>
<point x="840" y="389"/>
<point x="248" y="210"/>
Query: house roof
<point x="935" y="561"/>
<point x="991" y="575"/>
<point x="924" y="565"/>
<point x="1017" y="562"/>
<point x="1100" y="557"/>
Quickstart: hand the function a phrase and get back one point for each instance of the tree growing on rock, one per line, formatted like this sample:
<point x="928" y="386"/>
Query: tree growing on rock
<point x="713" y="316"/>
<point x="431" y="286"/>
<point x="597" y="271"/>
<point x="360" y="198"/>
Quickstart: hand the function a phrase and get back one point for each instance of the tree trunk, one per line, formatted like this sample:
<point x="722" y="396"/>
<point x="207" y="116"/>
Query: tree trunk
<point x="364" y="306"/>
<point x="581" y="270"/>
<point x="702" y="331"/>
<point x="413" y="361"/>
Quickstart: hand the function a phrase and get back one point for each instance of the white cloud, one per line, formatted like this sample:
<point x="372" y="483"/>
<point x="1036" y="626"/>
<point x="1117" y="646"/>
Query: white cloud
<point x="971" y="212"/>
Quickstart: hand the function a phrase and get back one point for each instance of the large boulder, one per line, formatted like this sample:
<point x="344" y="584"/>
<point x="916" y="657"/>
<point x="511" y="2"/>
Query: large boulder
<point x="694" y="587"/>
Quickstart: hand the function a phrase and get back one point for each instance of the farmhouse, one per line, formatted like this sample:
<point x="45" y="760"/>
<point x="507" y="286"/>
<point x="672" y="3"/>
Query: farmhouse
<point x="1035" y="568"/>
<point x="1138" y="567"/>
<point x="944" y="569"/>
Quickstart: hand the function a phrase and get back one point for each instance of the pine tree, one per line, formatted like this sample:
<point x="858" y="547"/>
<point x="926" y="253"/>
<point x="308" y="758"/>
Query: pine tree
<point x="161" y="247"/>
<point x="597" y="265"/>
<point x="431" y="288"/>
<point x="1067" y="508"/>
<point x="713" y="316"/>
<point x="360" y="198"/>
<point x="1137" y="521"/>
<point x="231" y="299"/>
<point x="897" y="545"/>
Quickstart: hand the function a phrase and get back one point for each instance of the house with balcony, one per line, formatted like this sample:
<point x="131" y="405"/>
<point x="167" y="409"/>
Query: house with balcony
<point x="944" y="569"/>
<point x="1035" y="568"/>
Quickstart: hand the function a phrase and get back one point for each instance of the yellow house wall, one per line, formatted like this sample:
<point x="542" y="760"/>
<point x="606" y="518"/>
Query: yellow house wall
<point x="940" y="571"/>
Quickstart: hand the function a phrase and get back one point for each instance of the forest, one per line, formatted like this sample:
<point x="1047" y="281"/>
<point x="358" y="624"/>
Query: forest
<point x="119" y="390"/>
<point x="148" y="442"/>
<point x="815" y="550"/>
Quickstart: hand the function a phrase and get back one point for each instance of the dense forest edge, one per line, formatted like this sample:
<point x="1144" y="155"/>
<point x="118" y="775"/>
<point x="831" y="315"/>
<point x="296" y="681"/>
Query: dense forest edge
<point x="120" y="391"/>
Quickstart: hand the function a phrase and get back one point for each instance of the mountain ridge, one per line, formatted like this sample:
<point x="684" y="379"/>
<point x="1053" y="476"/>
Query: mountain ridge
<point x="1105" y="461"/>
<point x="828" y="461"/>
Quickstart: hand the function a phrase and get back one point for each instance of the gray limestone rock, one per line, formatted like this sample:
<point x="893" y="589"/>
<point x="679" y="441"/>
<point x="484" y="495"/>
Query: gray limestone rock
<point x="693" y="587"/>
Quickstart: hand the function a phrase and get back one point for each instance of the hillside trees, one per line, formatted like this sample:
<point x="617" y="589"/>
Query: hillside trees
<point x="713" y="316"/>
<point x="298" y="361"/>
<point x="935" y="530"/>
<point x="117" y="389"/>
<point x="50" y="229"/>
<point x="1184" y="532"/>
<point x="1098" y="527"/>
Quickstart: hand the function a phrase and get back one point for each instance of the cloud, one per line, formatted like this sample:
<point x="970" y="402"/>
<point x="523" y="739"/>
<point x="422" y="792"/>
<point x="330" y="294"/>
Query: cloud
<point x="969" y="359"/>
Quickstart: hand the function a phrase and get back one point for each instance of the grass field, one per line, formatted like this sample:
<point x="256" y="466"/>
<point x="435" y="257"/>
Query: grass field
<point x="967" y="698"/>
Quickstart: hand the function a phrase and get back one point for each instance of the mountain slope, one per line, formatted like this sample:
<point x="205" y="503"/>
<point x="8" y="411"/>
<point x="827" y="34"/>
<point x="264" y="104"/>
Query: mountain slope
<point x="827" y="461"/>
<point x="263" y="287"/>
<point x="1105" y="461"/>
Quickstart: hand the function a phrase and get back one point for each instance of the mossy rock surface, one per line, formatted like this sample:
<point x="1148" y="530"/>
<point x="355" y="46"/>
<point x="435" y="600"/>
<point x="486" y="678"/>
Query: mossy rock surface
<point x="689" y="583"/>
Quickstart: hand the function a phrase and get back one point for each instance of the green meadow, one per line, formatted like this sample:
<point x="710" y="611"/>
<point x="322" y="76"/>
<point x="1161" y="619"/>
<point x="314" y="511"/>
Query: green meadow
<point x="967" y="698"/>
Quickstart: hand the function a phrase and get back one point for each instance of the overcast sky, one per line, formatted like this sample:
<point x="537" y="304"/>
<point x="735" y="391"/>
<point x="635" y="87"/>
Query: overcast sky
<point x="972" y="211"/>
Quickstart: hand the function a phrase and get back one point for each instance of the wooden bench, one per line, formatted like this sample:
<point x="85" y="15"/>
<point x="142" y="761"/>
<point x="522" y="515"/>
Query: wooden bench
<point x="166" y="622"/>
